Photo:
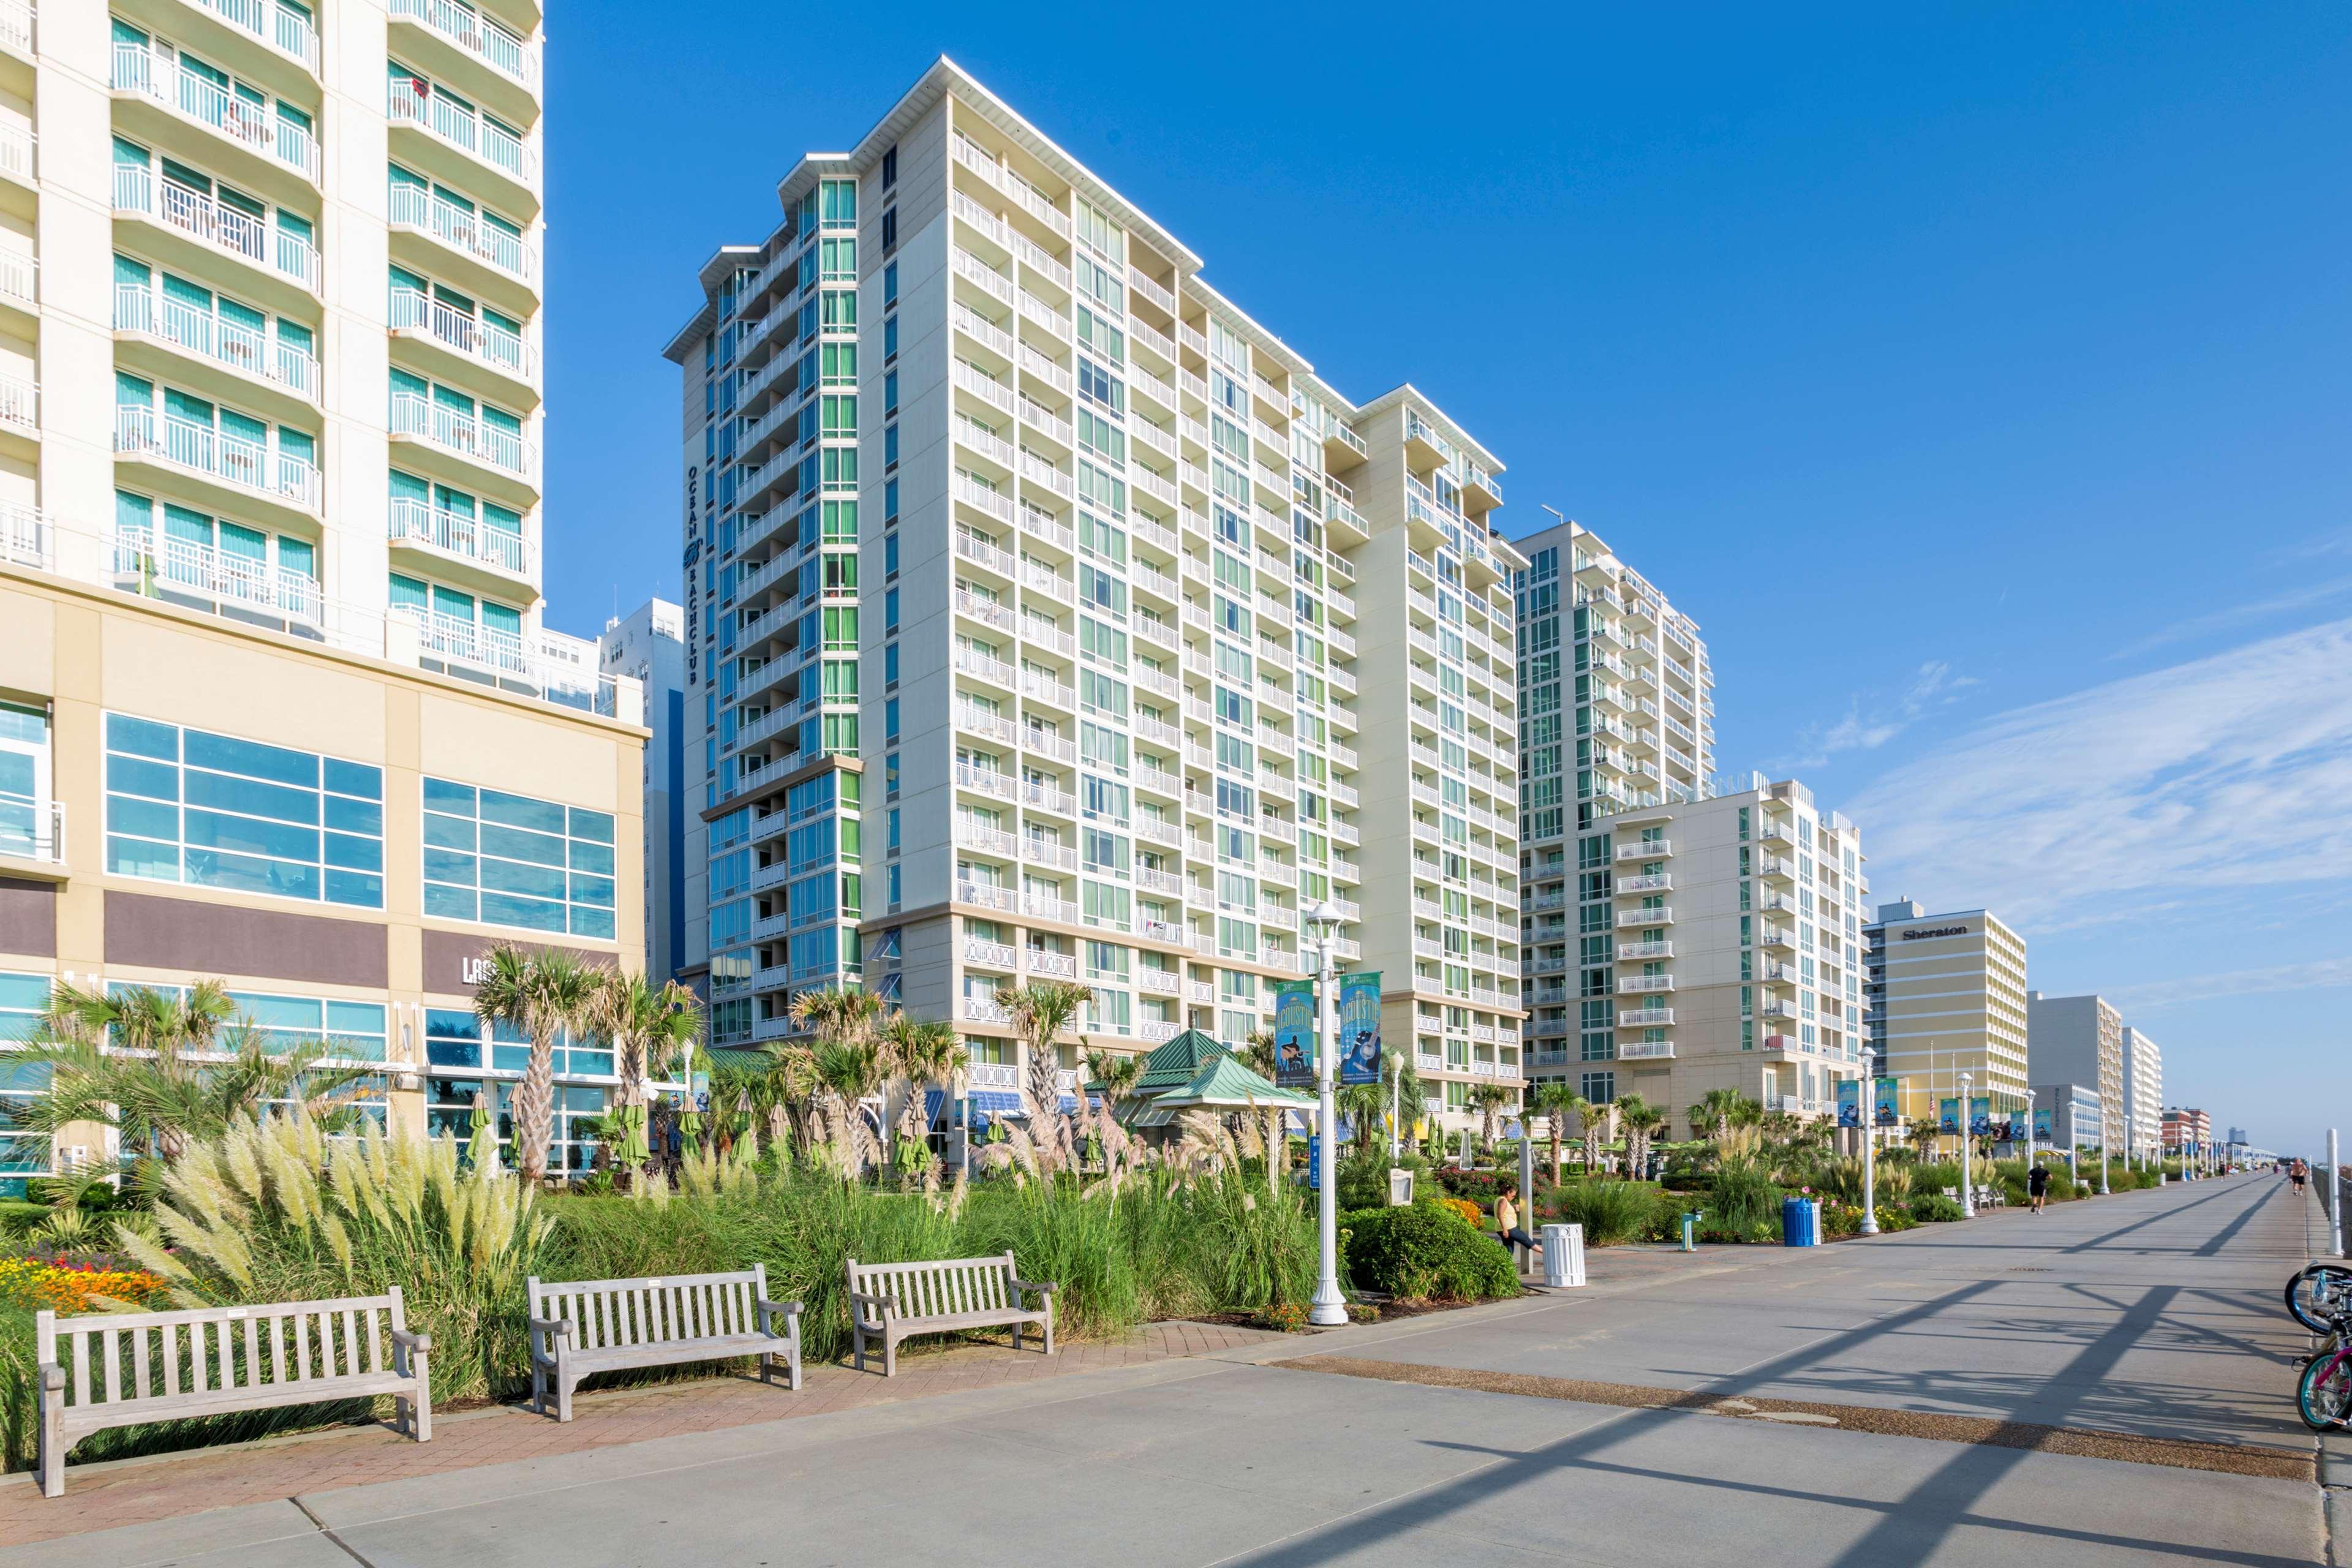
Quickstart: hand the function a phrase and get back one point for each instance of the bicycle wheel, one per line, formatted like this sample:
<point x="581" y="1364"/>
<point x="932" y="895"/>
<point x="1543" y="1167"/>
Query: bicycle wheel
<point x="2323" y="1395"/>
<point x="2317" y="1292"/>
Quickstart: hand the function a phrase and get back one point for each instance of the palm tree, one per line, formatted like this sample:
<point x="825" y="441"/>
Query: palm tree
<point x="649" y="1029"/>
<point x="1258" y="1050"/>
<point x="146" y="1063"/>
<point x="1555" y="1101"/>
<point x="1595" y="1121"/>
<point x="1718" y="1110"/>
<point x="1113" y="1075"/>
<point x="540" y="992"/>
<point x="1041" y="1013"/>
<point x="1641" y="1120"/>
<point x="924" y="1055"/>
<point x="1488" y="1100"/>
<point x="1922" y="1137"/>
<point x="851" y="1070"/>
<point x="836" y="1017"/>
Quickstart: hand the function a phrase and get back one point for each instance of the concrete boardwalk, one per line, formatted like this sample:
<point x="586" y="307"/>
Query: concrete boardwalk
<point x="2156" y="1314"/>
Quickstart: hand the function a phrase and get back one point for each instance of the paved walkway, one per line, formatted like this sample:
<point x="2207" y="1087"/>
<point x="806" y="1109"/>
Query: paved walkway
<point x="2154" y="1314"/>
<point x="166" y="1486"/>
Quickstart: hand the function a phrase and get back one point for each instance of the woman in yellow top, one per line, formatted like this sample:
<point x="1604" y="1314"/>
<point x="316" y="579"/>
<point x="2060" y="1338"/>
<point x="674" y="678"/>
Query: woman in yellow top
<point x="1506" y="1220"/>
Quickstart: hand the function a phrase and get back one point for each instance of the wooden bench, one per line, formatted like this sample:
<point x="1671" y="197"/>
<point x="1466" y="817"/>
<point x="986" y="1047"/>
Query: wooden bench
<point x="584" y="1327"/>
<point x="126" y="1369"/>
<point x="891" y="1300"/>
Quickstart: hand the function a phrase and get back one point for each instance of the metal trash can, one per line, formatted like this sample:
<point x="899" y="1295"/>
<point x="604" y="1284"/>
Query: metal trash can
<point x="1563" y="1250"/>
<point x="1690" y="1233"/>
<point x="1801" y="1222"/>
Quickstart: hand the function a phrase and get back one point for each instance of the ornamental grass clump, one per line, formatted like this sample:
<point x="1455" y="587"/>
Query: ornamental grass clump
<point x="1611" y="1212"/>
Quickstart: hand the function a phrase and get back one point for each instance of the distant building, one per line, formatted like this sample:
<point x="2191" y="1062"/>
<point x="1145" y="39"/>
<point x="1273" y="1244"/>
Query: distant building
<point x="2069" y="1116"/>
<point x="2143" y="1112"/>
<point x="1946" y="995"/>
<point x="2075" y="1039"/>
<point x="649" y="646"/>
<point x="2185" y="1127"/>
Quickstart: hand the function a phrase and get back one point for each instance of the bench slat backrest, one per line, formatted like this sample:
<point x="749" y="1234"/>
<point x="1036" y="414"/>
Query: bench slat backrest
<point x="941" y="1288"/>
<point x="611" y="1314"/>
<point x="214" y="1351"/>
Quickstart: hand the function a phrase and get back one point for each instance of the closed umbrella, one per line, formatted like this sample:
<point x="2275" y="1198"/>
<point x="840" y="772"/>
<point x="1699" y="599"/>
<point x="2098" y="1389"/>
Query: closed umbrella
<point x="631" y="1151"/>
<point x="483" y="1143"/>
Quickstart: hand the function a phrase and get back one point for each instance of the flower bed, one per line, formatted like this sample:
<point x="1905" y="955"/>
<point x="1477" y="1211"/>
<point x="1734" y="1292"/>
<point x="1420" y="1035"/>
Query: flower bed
<point x="33" y="1284"/>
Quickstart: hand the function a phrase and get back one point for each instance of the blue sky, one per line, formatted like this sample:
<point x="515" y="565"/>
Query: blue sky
<point x="1980" y="378"/>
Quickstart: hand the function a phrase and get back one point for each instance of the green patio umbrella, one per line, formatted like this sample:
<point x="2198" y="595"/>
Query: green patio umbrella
<point x="632" y="1150"/>
<point x="482" y="1142"/>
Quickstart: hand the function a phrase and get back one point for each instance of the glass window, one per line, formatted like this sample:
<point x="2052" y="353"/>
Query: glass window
<point x="512" y="860"/>
<point x="186" y="806"/>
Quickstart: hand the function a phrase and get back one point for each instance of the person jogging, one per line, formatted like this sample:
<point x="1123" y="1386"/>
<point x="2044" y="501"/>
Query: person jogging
<point x="2037" y="1184"/>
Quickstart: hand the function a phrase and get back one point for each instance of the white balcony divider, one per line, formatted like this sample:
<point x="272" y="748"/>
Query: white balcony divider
<point x="466" y="130"/>
<point x="17" y="152"/>
<point x="458" y="431"/>
<point x="502" y="50"/>
<point x="154" y="74"/>
<point x="458" y="533"/>
<point x="16" y="25"/>
<point x="287" y="32"/>
<point x="200" y="448"/>
<point x="26" y="537"/>
<point x="142" y="308"/>
<point x="204" y="570"/>
<point x="461" y="231"/>
<point x="137" y="190"/>
<point x="413" y="310"/>
<point x="20" y="403"/>
<point x="20" y="277"/>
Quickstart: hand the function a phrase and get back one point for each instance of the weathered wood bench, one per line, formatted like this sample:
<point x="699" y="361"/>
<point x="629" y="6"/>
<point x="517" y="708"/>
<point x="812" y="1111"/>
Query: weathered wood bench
<point x="889" y="1301"/>
<point x="579" y="1328"/>
<point x="125" y="1369"/>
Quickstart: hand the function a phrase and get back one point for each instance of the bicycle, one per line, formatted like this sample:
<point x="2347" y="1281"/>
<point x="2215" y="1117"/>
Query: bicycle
<point x="2318" y="1293"/>
<point x="2323" y="1395"/>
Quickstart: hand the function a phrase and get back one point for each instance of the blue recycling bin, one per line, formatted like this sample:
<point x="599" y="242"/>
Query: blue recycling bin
<point x="1801" y="1222"/>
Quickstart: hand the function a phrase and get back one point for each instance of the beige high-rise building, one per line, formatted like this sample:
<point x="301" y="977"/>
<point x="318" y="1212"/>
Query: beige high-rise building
<point x="1947" y="996"/>
<point x="2079" y="1040"/>
<point x="1056" y="620"/>
<point x="1725" y="939"/>
<point x="277" y="705"/>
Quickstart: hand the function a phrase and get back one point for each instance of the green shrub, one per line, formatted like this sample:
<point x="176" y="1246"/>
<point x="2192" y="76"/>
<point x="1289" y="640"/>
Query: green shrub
<point x="1935" y="1208"/>
<point x="17" y="1216"/>
<point x="1895" y="1216"/>
<point x="1423" y="1251"/>
<point x="1612" y="1212"/>
<point x="1932" y="1177"/>
<point x="1745" y="1199"/>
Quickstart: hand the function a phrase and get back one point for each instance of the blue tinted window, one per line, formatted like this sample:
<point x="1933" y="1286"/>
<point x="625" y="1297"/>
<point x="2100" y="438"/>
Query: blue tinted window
<point x="512" y="860"/>
<point x="214" y="811"/>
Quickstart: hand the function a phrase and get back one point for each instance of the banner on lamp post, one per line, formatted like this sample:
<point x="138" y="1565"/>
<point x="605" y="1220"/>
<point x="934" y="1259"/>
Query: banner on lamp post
<point x="1849" y="1103"/>
<point x="2043" y="1117"/>
<point x="1294" y="1032"/>
<point x="1358" y="1008"/>
<point x="1889" y="1100"/>
<point x="1949" y="1118"/>
<point x="1980" y="1116"/>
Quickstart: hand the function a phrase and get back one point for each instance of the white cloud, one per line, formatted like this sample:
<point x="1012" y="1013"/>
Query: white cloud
<point x="2303" y="597"/>
<point x="2326" y="972"/>
<point x="1934" y="686"/>
<point x="2193" y="784"/>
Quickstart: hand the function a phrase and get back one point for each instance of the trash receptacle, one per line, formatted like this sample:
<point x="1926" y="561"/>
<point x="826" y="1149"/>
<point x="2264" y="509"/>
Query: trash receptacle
<point x="1690" y="1233"/>
<point x="1801" y="1222"/>
<point x="1563" y="1250"/>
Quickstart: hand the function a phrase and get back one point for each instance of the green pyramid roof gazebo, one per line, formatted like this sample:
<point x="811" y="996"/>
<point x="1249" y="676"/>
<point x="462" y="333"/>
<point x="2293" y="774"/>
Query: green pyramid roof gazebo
<point x="1194" y="1071"/>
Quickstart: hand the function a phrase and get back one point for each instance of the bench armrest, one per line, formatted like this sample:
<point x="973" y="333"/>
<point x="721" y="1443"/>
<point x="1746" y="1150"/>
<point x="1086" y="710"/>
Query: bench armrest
<point x="412" y="1340"/>
<point x="1042" y="1287"/>
<point x="768" y="1310"/>
<point x="53" y="1377"/>
<point x="883" y="1305"/>
<point x="543" y="1332"/>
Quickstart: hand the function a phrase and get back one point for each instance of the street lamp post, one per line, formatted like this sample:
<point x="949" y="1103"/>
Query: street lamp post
<point x="1869" y="1226"/>
<point x="1968" y="1187"/>
<point x="2103" y="1155"/>
<point x="1330" y="1308"/>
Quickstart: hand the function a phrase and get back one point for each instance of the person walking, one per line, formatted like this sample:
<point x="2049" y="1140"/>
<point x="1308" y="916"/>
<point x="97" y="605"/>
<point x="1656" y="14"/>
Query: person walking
<point x="1507" y="1229"/>
<point x="2037" y="1184"/>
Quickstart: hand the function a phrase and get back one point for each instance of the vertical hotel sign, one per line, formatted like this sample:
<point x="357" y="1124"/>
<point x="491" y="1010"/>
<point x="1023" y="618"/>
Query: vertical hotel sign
<point x="1360" y="1027"/>
<point x="693" y="588"/>
<point x="1294" y="1032"/>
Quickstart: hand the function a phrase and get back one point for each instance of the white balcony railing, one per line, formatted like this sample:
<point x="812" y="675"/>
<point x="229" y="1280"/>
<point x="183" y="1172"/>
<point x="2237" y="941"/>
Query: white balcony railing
<point x="411" y="102"/>
<point x="179" y="567"/>
<point x="157" y="76"/>
<point x="460" y="534"/>
<point x="202" y="449"/>
<point x="478" y="340"/>
<point x="454" y="430"/>
<point x="505" y="52"/>
<point x="241" y="347"/>
<point x="194" y="212"/>
<point x="288" y="31"/>
<point x="466" y="232"/>
<point x="1646" y="849"/>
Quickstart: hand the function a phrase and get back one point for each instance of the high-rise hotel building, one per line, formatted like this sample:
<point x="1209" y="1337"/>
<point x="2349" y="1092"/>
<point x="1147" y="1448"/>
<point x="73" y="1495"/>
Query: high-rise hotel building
<point x="1037" y="598"/>
<point x="1947" y="996"/>
<point x="1684" y="933"/>
<point x="277" y="705"/>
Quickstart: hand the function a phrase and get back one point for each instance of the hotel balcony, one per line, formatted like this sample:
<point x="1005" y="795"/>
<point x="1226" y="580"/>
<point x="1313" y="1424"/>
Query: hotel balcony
<point x="1648" y="849"/>
<point x="166" y="88"/>
<point x="1646" y="1018"/>
<point x="1646" y="1051"/>
<point x="461" y="537"/>
<point x="1646" y="917"/>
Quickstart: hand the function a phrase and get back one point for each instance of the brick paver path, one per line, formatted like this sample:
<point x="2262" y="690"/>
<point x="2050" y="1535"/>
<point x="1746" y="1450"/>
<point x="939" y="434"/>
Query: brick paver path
<point x="141" y="1491"/>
